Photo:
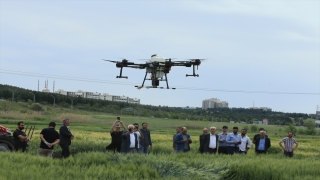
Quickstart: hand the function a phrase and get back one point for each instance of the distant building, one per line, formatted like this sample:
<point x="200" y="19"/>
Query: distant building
<point x="214" y="103"/>
<point x="262" y="108"/>
<point x="265" y="121"/>
<point x="96" y="95"/>
<point x="317" y="112"/>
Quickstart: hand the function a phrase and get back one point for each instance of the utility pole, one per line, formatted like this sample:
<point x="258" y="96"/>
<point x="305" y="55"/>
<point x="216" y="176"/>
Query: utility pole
<point x="54" y="100"/>
<point x="12" y="94"/>
<point x="71" y="102"/>
<point x="34" y="97"/>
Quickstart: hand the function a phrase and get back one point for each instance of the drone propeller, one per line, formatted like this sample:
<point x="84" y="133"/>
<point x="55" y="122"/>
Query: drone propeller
<point x="110" y="61"/>
<point x="197" y="59"/>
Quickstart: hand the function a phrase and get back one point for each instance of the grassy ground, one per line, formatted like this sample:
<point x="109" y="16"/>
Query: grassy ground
<point x="89" y="159"/>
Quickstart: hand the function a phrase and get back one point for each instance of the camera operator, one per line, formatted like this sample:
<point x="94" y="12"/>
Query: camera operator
<point x="129" y="141"/>
<point x="115" y="133"/>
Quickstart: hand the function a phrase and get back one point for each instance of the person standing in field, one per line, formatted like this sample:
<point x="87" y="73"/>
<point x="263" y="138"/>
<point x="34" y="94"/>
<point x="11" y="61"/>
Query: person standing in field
<point x="245" y="142"/>
<point x="257" y="136"/>
<point x="183" y="141"/>
<point x="178" y="130"/>
<point x="223" y="146"/>
<point x="145" y="143"/>
<point x="202" y="140"/>
<point x="65" y="138"/>
<point x="211" y="141"/>
<point x="129" y="141"/>
<point x="49" y="137"/>
<point x="20" y="138"/>
<point x="262" y="143"/>
<point x="116" y="139"/>
<point x="288" y="145"/>
<point x="139" y="134"/>
<point x="233" y="140"/>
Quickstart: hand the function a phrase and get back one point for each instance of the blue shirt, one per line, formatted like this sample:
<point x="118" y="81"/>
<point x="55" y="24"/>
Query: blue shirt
<point x="231" y="138"/>
<point x="262" y="143"/>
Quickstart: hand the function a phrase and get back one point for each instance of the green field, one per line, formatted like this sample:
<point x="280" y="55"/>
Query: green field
<point x="89" y="159"/>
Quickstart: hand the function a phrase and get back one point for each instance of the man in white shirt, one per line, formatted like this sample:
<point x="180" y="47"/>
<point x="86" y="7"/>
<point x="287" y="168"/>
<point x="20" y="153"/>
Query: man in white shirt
<point x="138" y="133"/>
<point x="245" y="142"/>
<point x="211" y="141"/>
<point x="129" y="141"/>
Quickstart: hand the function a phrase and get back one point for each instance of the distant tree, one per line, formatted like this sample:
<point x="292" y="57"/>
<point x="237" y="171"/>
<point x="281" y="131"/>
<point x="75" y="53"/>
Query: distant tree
<point x="254" y="128"/>
<point x="30" y="101"/>
<point x="291" y="128"/>
<point x="310" y="125"/>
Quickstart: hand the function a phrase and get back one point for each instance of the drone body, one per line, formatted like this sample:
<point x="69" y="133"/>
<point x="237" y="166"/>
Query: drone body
<point x="158" y="68"/>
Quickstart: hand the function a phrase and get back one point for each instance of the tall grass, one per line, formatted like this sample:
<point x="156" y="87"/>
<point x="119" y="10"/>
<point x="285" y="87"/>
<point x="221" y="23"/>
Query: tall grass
<point x="89" y="159"/>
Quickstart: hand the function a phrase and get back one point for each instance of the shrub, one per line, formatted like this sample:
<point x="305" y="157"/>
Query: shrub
<point x="254" y="128"/>
<point x="36" y="107"/>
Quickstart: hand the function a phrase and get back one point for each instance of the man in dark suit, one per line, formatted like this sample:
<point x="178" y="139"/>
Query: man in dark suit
<point x="129" y="141"/>
<point x="201" y="140"/>
<point x="262" y="143"/>
<point x="211" y="141"/>
<point x="65" y="138"/>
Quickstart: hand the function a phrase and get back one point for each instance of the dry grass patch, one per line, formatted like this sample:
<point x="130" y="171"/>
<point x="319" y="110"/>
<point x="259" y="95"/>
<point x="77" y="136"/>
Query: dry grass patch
<point x="20" y="115"/>
<point x="74" y="118"/>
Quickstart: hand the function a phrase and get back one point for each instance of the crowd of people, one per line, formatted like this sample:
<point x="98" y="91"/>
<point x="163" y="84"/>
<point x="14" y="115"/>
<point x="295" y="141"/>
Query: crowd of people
<point x="135" y="140"/>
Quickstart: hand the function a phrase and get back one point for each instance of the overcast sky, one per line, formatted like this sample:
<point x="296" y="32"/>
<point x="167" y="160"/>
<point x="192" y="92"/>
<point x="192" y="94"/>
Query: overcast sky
<point x="261" y="53"/>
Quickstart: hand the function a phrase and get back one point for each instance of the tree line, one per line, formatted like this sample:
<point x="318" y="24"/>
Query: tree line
<point x="237" y="115"/>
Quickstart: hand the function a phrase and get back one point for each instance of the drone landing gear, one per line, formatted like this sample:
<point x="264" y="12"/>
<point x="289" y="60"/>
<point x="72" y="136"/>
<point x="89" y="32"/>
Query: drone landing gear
<point x="194" y="72"/>
<point x="121" y="74"/>
<point x="155" y="83"/>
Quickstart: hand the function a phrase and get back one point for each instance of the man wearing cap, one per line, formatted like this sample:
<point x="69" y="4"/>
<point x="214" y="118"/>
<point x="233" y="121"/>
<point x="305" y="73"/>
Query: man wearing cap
<point x="65" y="138"/>
<point x="233" y="140"/>
<point x="223" y="146"/>
<point x="49" y="137"/>
<point x="116" y="139"/>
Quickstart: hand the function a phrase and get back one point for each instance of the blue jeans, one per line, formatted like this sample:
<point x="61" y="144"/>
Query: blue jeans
<point x="143" y="149"/>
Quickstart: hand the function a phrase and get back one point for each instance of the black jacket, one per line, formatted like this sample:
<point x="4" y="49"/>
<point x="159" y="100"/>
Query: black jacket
<point x="64" y="135"/>
<point x="266" y="145"/>
<point x="207" y="142"/>
<point x="201" y="140"/>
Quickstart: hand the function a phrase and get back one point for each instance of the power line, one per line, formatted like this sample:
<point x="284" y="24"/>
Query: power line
<point x="132" y="84"/>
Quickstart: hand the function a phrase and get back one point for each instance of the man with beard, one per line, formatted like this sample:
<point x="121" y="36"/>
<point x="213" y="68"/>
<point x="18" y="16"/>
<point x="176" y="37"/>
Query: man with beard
<point x="233" y="140"/>
<point x="145" y="143"/>
<point x="245" y="142"/>
<point x="20" y="138"/>
<point x="288" y="145"/>
<point x="202" y="140"/>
